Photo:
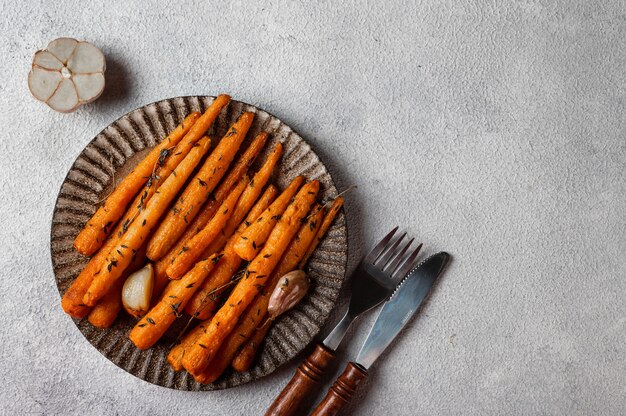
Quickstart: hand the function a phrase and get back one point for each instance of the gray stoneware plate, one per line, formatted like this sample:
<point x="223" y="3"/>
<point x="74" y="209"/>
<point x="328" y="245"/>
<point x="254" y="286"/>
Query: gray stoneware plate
<point x="111" y="155"/>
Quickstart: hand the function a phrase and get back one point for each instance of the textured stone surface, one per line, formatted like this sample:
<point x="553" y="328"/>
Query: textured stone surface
<point x="495" y="132"/>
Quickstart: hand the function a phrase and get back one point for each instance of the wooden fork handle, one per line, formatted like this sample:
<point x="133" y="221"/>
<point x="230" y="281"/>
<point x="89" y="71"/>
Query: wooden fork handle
<point x="303" y="384"/>
<point x="340" y="394"/>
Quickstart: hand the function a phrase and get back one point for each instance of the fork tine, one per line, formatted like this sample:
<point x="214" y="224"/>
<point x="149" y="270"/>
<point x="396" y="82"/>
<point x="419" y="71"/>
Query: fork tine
<point x="393" y="264"/>
<point x="407" y="265"/>
<point x="377" y="251"/>
<point x="390" y="251"/>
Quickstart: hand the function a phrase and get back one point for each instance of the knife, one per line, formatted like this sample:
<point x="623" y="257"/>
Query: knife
<point x="373" y="282"/>
<point x="394" y="315"/>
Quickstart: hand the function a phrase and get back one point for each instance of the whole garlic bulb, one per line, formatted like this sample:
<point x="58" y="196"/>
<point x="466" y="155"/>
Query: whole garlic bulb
<point x="67" y="74"/>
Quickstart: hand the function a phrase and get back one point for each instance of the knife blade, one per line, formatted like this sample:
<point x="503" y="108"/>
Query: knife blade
<point x="400" y="307"/>
<point x="393" y="316"/>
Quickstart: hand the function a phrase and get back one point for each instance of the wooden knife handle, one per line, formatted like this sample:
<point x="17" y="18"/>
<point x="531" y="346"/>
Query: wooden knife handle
<point x="340" y="394"/>
<point x="303" y="383"/>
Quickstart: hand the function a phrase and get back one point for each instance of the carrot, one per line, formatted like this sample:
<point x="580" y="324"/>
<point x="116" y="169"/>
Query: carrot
<point x="106" y="310"/>
<point x="248" y="197"/>
<point x="243" y="360"/>
<point x="120" y="255"/>
<point x="192" y="251"/>
<point x="199" y="189"/>
<point x="161" y="279"/>
<point x="205" y="301"/>
<point x="328" y="220"/>
<point x="256" y="312"/>
<point x="176" y="354"/>
<point x="254" y="278"/>
<point x="72" y="301"/>
<point x="177" y="293"/>
<point x="167" y="163"/>
<point x="207" y="212"/>
<point x="209" y="209"/>
<point x="253" y="238"/>
<point x="93" y="235"/>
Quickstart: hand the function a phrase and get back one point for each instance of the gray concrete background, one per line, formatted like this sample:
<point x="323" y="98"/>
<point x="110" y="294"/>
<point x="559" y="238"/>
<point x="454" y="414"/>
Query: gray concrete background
<point x="495" y="131"/>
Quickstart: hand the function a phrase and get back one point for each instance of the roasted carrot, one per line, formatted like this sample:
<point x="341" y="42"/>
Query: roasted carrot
<point x="161" y="279"/>
<point x="253" y="238"/>
<point x="256" y="312"/>
<point x="177" y="293"/>
<point x="73" y="299"/>
<point x="177" y="352"/>
<point x="120" y="255"/>
<point x="209" y="209"/>
<point x="244" y="359"/>
<point x="199" y="189"/>
<point x="106" y="310"/>
<point x="205" y="301"/>
<point x="206" y="213"/>
<point x="93" y="235"/>
<point x="250" y="194"/>
<point x="192" y="251"/>
<point x="326" y="223"/>
<point x="253" y="279"/>
<point x="248" y="197"/>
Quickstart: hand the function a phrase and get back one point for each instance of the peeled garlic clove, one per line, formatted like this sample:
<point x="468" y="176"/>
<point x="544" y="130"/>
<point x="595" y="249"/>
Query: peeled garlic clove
<point x="137" y="291"/>
<point x="67" y="74"/>
<point x="289" y="290"/>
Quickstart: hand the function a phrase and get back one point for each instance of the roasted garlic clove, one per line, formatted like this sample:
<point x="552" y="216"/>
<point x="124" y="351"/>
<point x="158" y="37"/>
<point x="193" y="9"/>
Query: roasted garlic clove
<point x="290" y="289"/>
<point x="67" y="74"/>
<point x="137" y="291"/>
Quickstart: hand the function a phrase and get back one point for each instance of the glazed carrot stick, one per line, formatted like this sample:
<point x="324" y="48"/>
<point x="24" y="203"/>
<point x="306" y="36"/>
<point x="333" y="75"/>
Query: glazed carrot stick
<point x="253" y="279"/>
<point x="257" y="311"/>
<point x="328" y="220"/>
<point x="210" y="208"/>
<point x="206" y="213"/>
<point x="245" y="357"/>
<point x="177" y="293"/>
<point x="120" y="255"/>
<point x="72" y="301"/>
<point x="250" y="194"/>
<point x="106" y="310"/>
<point x="248" y="197"/>
<point x="199" y="189"/>
<point x="252" y="239"/>
<point x="93" y="235"/>
<point x="161" y="279"/>
<point x="192" y="251"/>
<point x="205" y="301"/>
<point x="168" y="160"/>
<point x="176" y="354"/>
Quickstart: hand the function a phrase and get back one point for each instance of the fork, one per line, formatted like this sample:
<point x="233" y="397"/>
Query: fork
<point x="373" y="281"/>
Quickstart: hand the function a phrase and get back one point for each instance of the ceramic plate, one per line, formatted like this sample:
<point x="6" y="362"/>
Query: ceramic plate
<point x="111" y="155"/>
